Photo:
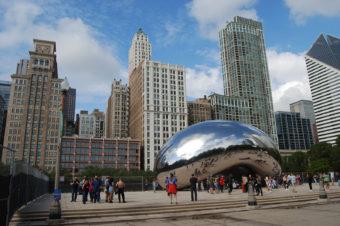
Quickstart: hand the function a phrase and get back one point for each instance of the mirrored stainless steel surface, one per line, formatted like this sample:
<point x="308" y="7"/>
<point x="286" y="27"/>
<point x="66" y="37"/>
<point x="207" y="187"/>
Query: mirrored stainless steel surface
<point x="214" y="146"/>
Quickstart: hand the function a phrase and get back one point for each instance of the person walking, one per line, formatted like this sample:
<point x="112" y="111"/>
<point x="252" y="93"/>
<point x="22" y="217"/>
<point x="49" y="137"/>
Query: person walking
<point x="293" y="181"/>
<point x="326" y="180"/>
<point x="172" y="181"/>
<point x="193" y="188"/>
<point x="310" y="181"/>
<point x="222" y="181"/>
<point x="211" y="184"/>
<point x="121" y="187"/>
<point x="75" y="186"/>
<point x="230" y="183"/>
<point x="85" y="188"/>
<point x="96" y="189"/>
<point x="111" y="189"/>
<point x="166" y="184"/>
<point x="91" y="189"/>
<point x="154" y="183"/>
<point x="107" y="186"/>
<point x="258" y="185"/>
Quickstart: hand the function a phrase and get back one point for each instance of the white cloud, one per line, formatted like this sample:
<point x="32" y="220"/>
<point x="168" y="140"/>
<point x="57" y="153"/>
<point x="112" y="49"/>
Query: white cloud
<point x="203" y="80"/>
<point x="89" y="65"/>
<point x="302" y="9"/>
<point x="289" y="78"/>
<point x="212" y="16"/>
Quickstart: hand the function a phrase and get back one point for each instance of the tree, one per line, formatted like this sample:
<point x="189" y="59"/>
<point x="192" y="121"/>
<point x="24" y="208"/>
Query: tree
<point x="320" y="165"/>
<point x="320" y="150"/>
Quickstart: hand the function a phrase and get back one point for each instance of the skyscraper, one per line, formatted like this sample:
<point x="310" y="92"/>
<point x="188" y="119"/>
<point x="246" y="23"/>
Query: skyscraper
<point x="69" y="101"/>
<point x="158" y="107"/>
<point x="34" y="111"/>
<point x="5" y="91"/>
<point x="245" y="71"/>
<point x="305" y="108"/>
<point x="293" y="131"/>
<point x="323" y="67"/>
<point x="22" y="67"/>
<point x="117" y="111"/>
<point x="140" y="50"/>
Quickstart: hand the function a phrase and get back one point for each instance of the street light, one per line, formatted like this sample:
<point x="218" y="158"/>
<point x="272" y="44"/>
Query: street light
<point x="55" y="209"/>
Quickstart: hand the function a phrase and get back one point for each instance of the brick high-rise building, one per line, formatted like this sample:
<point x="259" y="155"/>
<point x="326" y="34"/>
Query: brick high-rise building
<point x="199" y="111"/>
<point x="34" y="111"/>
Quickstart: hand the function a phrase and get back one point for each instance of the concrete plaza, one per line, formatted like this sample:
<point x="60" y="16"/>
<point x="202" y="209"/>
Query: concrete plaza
<point x="281" y="214"/>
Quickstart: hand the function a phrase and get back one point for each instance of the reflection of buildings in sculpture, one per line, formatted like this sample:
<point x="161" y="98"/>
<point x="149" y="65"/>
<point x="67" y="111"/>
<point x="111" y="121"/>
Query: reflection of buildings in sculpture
<point x="213" y="147"/>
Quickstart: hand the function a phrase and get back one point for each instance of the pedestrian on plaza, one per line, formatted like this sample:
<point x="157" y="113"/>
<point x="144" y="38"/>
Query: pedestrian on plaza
<point x="172" y="181"/>
<point x="96" y="189"/>
<point x="111" y="189"/>
<point x="310" y="181"/>
<point x="230" y="183"/>
<point x="326" y="181"/>
<point x="315" y="178"/>
<point x="91" y="190"/>
<point x="166" y="184"/>
<point x="202" y="185"/>
<point x="332" y="178"/>
<point x="258" y="185"/>
<point x="211" y="184"/>
<point x="251" y="180"/>
<point x="121" y="187"/>
<point x="85" y="189"/>
<point x="285" y="181"/>
<point x="154" y="184"/>
<point x="267" y="180"/>
<point x="107" y="186"/>
<point x="217" y="184"/>
<point x="222" y="181"/>
<point x="244" y="184"/>
<point x="193" y="188"/>
<point x="293" y="181"/>
<point x="75" y="186"/>
<point x="81" y="185"/>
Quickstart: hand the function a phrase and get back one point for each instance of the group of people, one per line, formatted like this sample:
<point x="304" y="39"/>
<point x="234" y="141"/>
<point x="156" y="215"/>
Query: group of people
<point x="93" y="186"/>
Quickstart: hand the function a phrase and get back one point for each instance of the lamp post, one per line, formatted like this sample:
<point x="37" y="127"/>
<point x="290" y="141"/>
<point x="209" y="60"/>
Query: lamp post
<point x="55" y="209"/>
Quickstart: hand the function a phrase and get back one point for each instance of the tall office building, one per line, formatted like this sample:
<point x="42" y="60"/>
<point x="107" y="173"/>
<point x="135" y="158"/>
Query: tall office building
<point x="245" y="71"/>
<point x="22" y="67"/>
<point x="117" y="111"/>
<point x="69" y="101"/>
<point x="305" y="108"/>
<point x="34" y="111"/>
<point x="323" y="67"/>
<point x="99" y="128"/>
<point x="5" y="91"/>
<point x="140" y="50"/>
<point x="158" y="107"/>
<point x="293" y="131"/>
<point x="199" y="111"/>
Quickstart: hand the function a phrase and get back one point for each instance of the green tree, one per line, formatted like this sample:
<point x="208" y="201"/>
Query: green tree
<point x="298" y="162"/>
<point x="4" y="169"/>
<point x="320" y="150"/>
<point x="320" y="165"/>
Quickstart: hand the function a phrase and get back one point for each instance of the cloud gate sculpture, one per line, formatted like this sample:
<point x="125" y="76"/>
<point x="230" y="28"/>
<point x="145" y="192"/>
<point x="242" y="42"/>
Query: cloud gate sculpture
<point x="217" y="147"/>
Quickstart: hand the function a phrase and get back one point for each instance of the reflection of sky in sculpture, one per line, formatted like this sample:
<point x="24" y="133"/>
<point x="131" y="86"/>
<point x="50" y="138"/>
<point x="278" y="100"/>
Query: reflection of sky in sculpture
<point x="210" y="135"/>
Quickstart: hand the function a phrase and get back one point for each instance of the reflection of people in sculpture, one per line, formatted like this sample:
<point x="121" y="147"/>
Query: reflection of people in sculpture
<point x="172" y="190"/>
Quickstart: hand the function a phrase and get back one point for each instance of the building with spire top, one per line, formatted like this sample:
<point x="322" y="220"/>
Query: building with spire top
<point x="140" y="49"/>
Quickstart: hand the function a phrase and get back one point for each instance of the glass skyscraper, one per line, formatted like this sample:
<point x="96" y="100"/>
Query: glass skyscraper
<point x="323" y="66"/>
<point x="245" y="72"/>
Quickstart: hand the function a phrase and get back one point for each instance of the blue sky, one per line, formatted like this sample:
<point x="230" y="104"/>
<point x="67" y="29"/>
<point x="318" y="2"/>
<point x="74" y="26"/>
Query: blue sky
<point x="93" y="39"/>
